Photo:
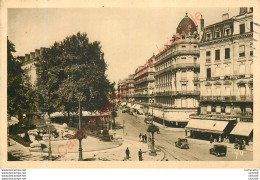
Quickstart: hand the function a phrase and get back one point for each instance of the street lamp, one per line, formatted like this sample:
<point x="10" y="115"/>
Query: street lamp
<point x="152" y="129"/>
<point x="80" y="139"/>
<point x="49" y="152"/>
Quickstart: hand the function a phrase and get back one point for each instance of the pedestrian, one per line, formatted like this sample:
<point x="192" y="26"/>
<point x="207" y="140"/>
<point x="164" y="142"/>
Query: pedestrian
<point x="145" y="138"/>
<point x="140" y="137"/>
<point x="211" y="139"/>
<point x="127" y="152"/>
<point x="140" y="153"/>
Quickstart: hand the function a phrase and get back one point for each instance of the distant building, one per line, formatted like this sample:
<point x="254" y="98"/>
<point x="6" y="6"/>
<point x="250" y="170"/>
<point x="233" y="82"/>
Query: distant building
<point x="29" y="62"/>
<point x="177" y="86"/>
<point x="226" y="79"/>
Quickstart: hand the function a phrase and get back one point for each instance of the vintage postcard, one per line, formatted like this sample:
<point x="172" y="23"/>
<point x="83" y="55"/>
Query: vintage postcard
<point x="140" y="84"/>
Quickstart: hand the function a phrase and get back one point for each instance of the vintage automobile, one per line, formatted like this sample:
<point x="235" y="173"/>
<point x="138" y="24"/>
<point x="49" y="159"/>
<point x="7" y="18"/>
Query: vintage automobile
<point x="182" y="143"/>
<point x="218" y="150"/>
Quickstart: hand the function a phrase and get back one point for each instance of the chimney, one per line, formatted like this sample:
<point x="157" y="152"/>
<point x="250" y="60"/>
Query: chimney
<point x="243" y="10"/>
<point x="37" y="53"/>
<point x="42" y="50"/>
<point x="27" y="57"/>
<point x="32" y="55"/>
<point x="201" y="23"/>
<point x="225" y="16"/>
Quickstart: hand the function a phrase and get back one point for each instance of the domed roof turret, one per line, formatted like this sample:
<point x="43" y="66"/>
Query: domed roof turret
<point x="186" y="25"/>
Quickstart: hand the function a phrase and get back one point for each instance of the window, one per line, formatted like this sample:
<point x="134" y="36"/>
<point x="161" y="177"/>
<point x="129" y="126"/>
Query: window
<point x="213" y="108"/>
<point x="208" y="36"/>
<point x="251" y="9"/>
<point x="241" y="50"/>
<point x="223" y="108"/>
<point x="227" y="53"/>
<point x="183" y="46"/>
<point x="195" y="58"/>
<point x="217" y="54"/>
<point x="195" y="46"/>
<point x="242" y="69"/>
<point x="183" y="57"/>
<point x="208" y="56"/>
<point x="217" y="34"/>
<point x="227" y="31"/>
<point x="251" y="27"/>
<point x="243" y="108"/>
<point x="242" y="28"/>
<point x="208" y="72"/>
<point x="251" y="53"/>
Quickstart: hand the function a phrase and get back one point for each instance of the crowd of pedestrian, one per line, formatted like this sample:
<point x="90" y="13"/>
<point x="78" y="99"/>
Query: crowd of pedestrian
<point x="142" y="138"/>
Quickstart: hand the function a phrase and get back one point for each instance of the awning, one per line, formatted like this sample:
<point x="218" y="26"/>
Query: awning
<point x="242" y="129"/>
<point x="207" y="125"/>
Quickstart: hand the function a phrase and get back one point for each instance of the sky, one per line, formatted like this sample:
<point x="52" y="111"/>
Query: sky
<point x="128" y="36"/>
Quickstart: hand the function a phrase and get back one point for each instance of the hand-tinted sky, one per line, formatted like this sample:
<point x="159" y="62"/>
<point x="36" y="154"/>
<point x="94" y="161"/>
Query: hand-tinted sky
<point x="128" y="36"/>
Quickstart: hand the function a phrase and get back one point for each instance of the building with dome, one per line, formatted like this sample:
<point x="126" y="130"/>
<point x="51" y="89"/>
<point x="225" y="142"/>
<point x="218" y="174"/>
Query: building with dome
<point x="177" y="88"/>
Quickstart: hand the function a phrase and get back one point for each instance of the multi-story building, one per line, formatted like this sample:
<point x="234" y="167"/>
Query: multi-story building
<point x="177" y="77"/>
<point x="226" y="79"/>
<point x="29" y="63"/>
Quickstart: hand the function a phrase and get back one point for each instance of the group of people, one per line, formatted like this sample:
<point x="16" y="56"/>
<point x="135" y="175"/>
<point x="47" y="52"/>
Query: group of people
<point x="142" y="138"/>
<point x="140" y="154"/>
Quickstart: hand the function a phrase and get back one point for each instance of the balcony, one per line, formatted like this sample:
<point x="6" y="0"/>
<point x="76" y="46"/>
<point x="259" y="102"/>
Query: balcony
<point x="142" y="95"/>
<point x="186" y="52"/>
<point x="178" y="93"/>
<point x="248" y="98"/>
<point x="186" y="65"/>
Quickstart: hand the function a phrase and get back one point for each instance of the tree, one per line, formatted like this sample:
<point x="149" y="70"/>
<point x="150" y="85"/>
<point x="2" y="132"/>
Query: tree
<point x="73" y="70"/>
<point x="20" y="95"/>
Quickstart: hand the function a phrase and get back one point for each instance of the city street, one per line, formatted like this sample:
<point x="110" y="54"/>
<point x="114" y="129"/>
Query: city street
<point x="198" y="151"/>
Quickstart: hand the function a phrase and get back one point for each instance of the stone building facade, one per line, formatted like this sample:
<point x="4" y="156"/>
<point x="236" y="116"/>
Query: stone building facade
<point x="226" y="79"/>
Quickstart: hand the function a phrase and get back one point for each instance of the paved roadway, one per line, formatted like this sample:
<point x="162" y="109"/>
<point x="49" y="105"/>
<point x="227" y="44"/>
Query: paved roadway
<point x="199" y="149"/>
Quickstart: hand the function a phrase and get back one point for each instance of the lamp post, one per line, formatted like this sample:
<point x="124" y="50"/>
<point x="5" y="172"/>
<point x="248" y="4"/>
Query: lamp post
<point x="152" y="129"/>
<point x="80" y="139"/>
<point x="50" y="151"/>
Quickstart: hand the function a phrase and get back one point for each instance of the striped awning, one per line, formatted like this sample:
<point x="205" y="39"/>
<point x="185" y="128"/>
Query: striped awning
<point x="242" y="129"/>
<point x="207" y="126"/>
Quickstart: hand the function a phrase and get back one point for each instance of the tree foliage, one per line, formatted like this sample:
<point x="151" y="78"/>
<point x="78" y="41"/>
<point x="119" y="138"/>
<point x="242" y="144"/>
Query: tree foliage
<point x="20" y="94"/>
<point x="70" y="71"/>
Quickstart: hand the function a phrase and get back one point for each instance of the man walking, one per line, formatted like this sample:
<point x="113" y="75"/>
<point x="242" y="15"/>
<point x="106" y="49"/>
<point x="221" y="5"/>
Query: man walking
<point x="140" y="137"/>
<point x="127" y="152"/>
<point x="140" y="155"/>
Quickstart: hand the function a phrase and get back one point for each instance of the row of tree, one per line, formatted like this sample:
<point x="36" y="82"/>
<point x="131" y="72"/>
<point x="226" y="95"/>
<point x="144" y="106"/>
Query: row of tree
<point x="69" y="71"/>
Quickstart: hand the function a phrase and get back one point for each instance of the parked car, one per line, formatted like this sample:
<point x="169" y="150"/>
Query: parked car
<point x="182" y="143"/>
<point x="218" y="150"/>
